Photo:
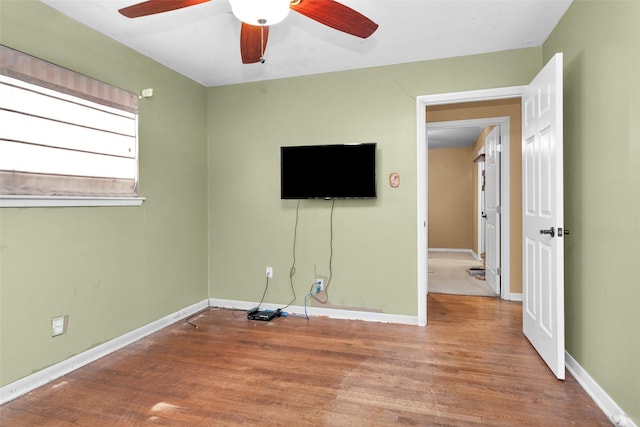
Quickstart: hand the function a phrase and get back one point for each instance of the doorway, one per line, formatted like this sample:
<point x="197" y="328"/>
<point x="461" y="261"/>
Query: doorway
<point x="463" y="101"/>
<point x="540" y="206"/>
<point x="463" y="205"/>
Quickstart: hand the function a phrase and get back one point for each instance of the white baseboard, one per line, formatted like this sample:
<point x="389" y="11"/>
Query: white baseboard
<point x="513" y="296"/>
<point x="332" y="313"/>
<point x="611" y="409"/>
<point x="466" y="251"/>
<point x="40" y="378"/>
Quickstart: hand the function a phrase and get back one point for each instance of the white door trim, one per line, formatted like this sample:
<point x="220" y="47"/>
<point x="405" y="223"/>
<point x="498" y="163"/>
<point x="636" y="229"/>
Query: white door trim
<point x="422" y="184"/>
<point x="480" y="207"/>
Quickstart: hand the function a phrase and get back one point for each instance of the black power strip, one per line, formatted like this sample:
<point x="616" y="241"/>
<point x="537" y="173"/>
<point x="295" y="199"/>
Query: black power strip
<point x="263" y="315"/>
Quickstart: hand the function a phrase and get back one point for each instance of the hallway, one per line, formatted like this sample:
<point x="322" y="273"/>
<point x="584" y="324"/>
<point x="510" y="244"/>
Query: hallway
<point x="448" y="274"/>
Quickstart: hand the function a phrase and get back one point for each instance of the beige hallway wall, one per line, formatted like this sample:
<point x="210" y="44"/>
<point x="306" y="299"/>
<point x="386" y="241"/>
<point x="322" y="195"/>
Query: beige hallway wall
<point x="451" y="198"/>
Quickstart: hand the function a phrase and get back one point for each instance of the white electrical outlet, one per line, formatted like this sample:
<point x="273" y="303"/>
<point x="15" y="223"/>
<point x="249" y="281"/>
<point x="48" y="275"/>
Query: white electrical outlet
<point x="269" y="272"/>
<point x="57" y="326"/>
<point x="320" y="282"/>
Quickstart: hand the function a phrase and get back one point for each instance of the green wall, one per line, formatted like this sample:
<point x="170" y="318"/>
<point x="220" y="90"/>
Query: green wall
<point x="601" y="45"/>
<point x="375" y="241"/>
<point x="114" y="269"/>
<point x="111" y="269"/>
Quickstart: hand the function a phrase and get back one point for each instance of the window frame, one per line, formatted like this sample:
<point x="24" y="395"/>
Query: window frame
<point x="51" y="78"/>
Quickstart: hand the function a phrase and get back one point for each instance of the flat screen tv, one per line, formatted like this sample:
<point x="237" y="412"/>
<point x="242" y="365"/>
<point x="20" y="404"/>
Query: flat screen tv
<point x="340" y="171"/>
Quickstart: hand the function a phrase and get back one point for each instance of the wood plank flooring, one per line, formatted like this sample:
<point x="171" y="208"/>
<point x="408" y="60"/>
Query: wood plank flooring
<point x="470" y="366"/>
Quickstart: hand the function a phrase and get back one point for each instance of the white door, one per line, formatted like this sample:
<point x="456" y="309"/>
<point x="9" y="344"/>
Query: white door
<point x="492" y="208"/>
<point x="543" y="216"/>
<point x="481" y="216"/>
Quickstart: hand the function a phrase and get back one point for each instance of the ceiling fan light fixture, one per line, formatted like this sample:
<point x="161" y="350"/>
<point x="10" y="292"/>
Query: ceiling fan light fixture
<point x="260" y="12"/>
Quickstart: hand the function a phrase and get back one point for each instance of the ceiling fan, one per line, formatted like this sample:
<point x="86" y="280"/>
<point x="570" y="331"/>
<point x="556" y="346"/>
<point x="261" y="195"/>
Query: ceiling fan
<point x="255" y="23"/>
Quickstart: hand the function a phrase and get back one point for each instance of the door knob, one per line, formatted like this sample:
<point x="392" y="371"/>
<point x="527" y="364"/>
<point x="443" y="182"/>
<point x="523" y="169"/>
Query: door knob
<point x="551" y="232"/>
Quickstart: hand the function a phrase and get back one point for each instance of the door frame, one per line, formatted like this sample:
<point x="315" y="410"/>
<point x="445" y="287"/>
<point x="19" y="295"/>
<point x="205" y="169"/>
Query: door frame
<point x="422" y="102"/>
<point x="480" y="195"/>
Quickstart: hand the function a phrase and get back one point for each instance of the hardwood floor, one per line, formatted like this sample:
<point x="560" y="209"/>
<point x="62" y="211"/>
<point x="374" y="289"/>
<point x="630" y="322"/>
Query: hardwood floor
<point x="470" y="366"/>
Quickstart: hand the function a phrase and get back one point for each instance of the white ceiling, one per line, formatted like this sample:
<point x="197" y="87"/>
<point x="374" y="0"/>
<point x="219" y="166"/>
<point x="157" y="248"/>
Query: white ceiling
<point x="202" y="42"/>
<point x="453" y="137"/>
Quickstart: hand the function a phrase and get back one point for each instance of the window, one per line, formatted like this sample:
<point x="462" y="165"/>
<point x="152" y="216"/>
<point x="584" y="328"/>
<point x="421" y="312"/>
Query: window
<point x="63" y="134"/>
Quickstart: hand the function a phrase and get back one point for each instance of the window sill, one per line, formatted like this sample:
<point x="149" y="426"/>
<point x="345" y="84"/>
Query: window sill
<point x="66" y="201"/>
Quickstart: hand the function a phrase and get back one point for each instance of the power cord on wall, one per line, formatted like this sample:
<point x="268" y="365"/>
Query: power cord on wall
<point x="313" y="292"/>
<point x="326" y="288"/>
<point x="292" y="270"/>
<point x="266" y="287"/>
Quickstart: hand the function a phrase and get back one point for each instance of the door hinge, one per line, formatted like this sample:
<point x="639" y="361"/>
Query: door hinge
<point x="499" y="209"/>
<point x="498" y="271"/>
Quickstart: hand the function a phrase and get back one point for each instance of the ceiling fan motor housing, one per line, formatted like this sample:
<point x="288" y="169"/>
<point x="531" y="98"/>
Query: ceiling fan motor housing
<point x="260" y="12"/>
<point x="258" y="15"/>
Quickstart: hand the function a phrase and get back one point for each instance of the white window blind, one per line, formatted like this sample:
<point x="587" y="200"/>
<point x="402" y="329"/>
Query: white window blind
<point x="63" y="133"/>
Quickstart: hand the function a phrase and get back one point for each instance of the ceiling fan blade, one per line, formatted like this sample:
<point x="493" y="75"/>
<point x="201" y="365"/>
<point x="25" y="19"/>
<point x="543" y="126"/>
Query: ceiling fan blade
<point x="152" y="7"/>
<point x="338" y="16"/>
<point x="253" y="42"/>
